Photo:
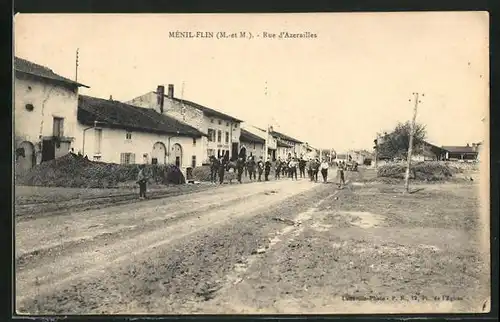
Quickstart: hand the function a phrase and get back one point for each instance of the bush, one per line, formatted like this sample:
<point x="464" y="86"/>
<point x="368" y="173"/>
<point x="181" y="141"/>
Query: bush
<point x="74" y="171"/>
<point x="423" y="171"/>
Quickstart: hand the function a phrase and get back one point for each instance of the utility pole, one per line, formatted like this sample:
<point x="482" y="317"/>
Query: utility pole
<point x="376" y="150"/>
<point x="410" y="147"/>
<point x="76" y="66"/>
<point x="266" y="148"/>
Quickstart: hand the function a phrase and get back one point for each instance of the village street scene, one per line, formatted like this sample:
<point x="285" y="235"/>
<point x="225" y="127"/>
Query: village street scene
<point x="183" y="176"/>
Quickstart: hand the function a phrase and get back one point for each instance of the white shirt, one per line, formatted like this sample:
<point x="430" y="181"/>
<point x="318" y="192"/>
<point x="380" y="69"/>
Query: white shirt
<point x="324" y="165"/>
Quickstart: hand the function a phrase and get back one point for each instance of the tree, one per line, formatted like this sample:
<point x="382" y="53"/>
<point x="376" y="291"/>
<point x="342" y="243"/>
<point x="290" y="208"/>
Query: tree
<point x="396" y="143"/>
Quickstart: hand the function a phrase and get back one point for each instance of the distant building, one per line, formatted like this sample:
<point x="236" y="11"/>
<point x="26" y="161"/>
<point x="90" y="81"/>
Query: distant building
<point x="466" y="153"/>
<point x="115" y="132"/>
<point x="290" y="146"/>
<point x="223" y="131"/>
<point x="251" y="144"/>
<point x="45" y="110"/>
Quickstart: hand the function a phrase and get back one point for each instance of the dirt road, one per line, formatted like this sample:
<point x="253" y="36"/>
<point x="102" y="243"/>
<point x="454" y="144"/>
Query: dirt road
<point x="274" y="247"/>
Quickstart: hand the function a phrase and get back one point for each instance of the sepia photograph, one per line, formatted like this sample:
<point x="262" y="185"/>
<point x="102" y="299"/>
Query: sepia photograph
<point x="300" y="163"/>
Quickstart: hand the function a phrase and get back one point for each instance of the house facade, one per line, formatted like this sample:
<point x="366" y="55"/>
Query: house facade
<point x="284" y="151"/>
<point x="45" y="114"/>
<point x="272" y="143"/>
<point x="222" y="131"/>
<point x="291" y="146"/>
<point x="115" y="132"/>
<point x="252" y="145"/>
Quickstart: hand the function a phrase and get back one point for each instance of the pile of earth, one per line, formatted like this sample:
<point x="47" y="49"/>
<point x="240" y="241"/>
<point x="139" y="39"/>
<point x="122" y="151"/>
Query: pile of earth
<point x="420" y="171"/>
<point x="78" y="172"/>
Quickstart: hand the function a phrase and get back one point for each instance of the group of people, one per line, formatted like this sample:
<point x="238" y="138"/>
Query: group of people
<point x="259" y="170"/>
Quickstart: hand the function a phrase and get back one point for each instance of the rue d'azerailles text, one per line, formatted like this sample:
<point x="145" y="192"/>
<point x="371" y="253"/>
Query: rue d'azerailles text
<point x="240" y="34"/>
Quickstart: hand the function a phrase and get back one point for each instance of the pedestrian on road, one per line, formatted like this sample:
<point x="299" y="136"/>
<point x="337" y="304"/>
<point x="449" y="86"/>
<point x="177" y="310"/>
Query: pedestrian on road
<point x="324" y="170"/>
<point x="267" y="170"/>
<point x="142" y="180"/>
<point x="302" y="167"/>
<point x="214" y="168"/>
<point x="316" y="165"/>
<point x="251" y="168"/>
<point x="222" y="169"/>
<point x="260" y="168"/>
<point x="277" y="170"/>
<point x="340" y="175"/>
<point x="293" y="168"/>
<point x="240" y="164"/>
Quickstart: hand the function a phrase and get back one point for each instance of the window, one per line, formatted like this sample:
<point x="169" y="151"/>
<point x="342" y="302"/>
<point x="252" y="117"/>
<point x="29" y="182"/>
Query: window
<point x="218" y="153"/>
<point x="194" y="141"/>
<point x="211" y="120"/>
<point x="219" y="136"/>
<point x="58" y="126"/>
<point x="211" y="135"/>
<point x="98" y="140"/>
<point x="254" y="145"/>
<point x="97" y="158"/>
<point x="227" y="137"/>
<point x="235" y="125"/>
<point x="128" y="136"/>
<point x="193" y="161"/>
<point x="227" y="123"/>
<point x="127" y="158"/>
<point x="220" y="122"/>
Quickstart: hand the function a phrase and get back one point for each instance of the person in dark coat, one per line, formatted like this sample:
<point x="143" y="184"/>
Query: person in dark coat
<point x="267" y="170"/>
<point x="214" y="168"/>
<point x="251" y="168"/>
<point x="222" y="169"/>
<point x="277" y="170"/>
<point x="302" y="167"/>
<point x="142" y="179"/>
<point x="260" y="168"/>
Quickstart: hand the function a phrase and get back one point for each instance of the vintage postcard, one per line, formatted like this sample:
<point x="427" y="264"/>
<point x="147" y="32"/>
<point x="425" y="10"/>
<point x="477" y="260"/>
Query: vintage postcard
<point x="251" y="163"/>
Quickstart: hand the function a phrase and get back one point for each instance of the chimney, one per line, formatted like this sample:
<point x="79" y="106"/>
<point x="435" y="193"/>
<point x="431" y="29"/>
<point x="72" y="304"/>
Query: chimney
<point x="170" y="91"/>
<point x="467" y="144"/>
<point x="160" y="96"/>
<point x="110" y="97"/>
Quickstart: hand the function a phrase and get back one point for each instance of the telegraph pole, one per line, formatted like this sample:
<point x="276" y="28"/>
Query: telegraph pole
<point x="376" y="151"/>
<point x="410" y="147"/>
<point x="76" y="66"/>
<point x="266" y="147"/>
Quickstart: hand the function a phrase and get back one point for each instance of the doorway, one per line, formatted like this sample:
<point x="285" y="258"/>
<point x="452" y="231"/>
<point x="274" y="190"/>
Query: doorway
<point x="159" y="153"/>
<point x="177" y="154"/>
<point x="48" y="150"/>
<point x="234" y="151"/>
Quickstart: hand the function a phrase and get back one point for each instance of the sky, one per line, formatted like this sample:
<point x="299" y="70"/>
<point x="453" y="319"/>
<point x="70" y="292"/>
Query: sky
<point x="356" y="78"/>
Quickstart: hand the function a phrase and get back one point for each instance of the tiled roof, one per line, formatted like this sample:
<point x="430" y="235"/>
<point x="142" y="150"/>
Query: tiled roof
<point x="459" y="149"/>
<point x="207" y="111"/>
<point x="283" y="145"/>
<point x="284" y="137"/>
<point x="27" y="67"/>
<point x="246" y="136"/>
<point x="120" y="115"/>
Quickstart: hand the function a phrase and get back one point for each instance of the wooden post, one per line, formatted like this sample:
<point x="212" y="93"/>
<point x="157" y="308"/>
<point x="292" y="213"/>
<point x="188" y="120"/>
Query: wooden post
<point x="410" y="147"/>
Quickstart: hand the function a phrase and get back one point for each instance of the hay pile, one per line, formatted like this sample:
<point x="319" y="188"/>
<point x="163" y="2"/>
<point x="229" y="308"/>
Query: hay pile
<point x="421" y="171"/>
<point x="201" y="173"/>
<point x="77" y="172"/>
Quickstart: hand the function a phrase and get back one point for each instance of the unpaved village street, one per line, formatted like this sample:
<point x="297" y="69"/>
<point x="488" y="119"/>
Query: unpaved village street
<point x="272" y="247"/>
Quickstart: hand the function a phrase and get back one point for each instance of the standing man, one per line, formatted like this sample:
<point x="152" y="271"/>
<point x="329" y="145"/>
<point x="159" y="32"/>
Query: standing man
<point x="324" y="170"/>
<point x="222" y="166"/>
<point x="340" y="175"/>
<point x="142" y="180"/>
<point x="267" y="170"/>
<point x="251" y="168"/>
<point x="260" y="168"/>
<point x="277" y="170"/>
<point x="293" y="168"/>
<point x="214" y="168"/>
<point x="315" y="169"/>
<point x="240" y="164"/>
<point x="302" y="167"/>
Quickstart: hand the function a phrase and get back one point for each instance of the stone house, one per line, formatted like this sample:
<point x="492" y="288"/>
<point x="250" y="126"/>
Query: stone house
<point x="116" y="132"/>
<point x="45" y="114"/>
<point x="222" y="130"/>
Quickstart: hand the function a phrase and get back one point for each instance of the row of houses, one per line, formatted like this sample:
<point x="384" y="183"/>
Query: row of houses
<point x="51" y="118"/>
